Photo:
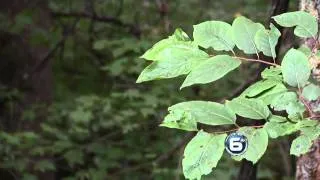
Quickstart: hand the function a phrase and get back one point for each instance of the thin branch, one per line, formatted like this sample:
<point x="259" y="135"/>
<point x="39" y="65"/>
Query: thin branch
<point x="305" y="103"/>
<point x="42" y="63"/>
<point x="235" y="129"/>
<point x="257" y="60"/>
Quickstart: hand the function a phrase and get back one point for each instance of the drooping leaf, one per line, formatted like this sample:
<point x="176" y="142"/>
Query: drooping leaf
<point x="210" y="113"/>
<point x="215" y="34"/>
<point x="175" y="61"/>
<point x="272" y="73"/>
<point x="266" y="40"/>
<point x="259" y="87"/>
<point x="306" y="24"/>
<point x="272" y="94"/>
<point x="202" y="154"/>
<point x="311" y="92"/>
<point x="161" y="49"/>
<point x="257" y="144"/>
<point x="180" y="119"/>
<point x="211" y="70"/>
<point x="295" y="68"/>
<point x="250" y="108"/>
<point x="243" y="32"/>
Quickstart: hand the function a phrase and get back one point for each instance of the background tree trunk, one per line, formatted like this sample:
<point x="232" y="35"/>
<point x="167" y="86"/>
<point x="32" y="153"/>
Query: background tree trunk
<point x="308" y="165"/>
<point x="248" y="171"/>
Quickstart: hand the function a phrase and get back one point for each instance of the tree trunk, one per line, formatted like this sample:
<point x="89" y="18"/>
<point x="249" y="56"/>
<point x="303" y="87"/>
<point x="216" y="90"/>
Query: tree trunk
<point x="248" y="171"/>
<point x="18" y="59"/>
<point x="308" y="165"/>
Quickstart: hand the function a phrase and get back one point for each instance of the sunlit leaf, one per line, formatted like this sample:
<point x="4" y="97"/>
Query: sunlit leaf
<point x="215" y="34"/>
<point x="202" y="154"/>
<point x="210" y="113"/>
<point x="250" y="108"/>
<point x="306" y="24"/>
<point x="162" y="49"/>
<point x="178" y="59"/>
<point x="259" y="87"/>
<point x="295" y="68"/>
<point x="211" y="70"/>
<point x="243" y="32"/>
<point x="257" y="144"/>
<point x="266" y="40"/>
<point x="180" y="119"/>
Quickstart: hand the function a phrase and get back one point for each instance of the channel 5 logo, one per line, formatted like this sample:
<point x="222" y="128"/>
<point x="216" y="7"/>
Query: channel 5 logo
<point x="236" y="144"/>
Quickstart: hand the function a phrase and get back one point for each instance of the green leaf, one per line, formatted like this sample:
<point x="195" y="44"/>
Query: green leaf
<point x="272" y="94"/>
<point x="276" y="129"/>
<point x="288" y="101"/>
<point x="311" y="131"/>
<point x="257" y="144"/>
<point x="74" y="157"/>
<point x="180" y="35"/>
<point x="295" y="68"/>
<point x="266" y="40"/>
<point x="210" y="113"/>
<point x="306" y="123"/>
<point x="44" y="165"/>
<point x="311" y="92"/>
<point x="295" y="109"/>
<point x="243" y="32"/>
<point x="306" y="50"/>
<point x="215" y="34"/>
<point x="306" y="24"/>
<point x="180" y="119"/>
<point x="259" y="87"/>
<point x="300" y="145"/>
<point x="282" y="101"/>
<point x="28" y="176"/>
<point x="278" y="119"/>
<point x="202" y="154"/>
<point x="100" y="44"/>
<point x="303" y="143"/>
<point x="272" y="73"/>
<point x="161" y="50"/>
<point x="211" y="70"/>
<point x="178" y="59"/>
<point x="249" y="108"/>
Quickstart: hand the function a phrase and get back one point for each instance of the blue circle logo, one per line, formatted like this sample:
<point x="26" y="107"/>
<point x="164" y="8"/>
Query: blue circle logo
<point x="236" y="144"/>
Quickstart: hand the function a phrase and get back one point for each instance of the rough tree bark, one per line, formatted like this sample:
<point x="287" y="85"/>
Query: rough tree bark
<point x="18" y="58"/>
<point x="308" y="165"/>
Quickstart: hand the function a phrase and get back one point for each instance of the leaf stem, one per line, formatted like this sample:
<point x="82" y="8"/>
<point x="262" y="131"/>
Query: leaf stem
<point x="305" y="103"/>
<point x="235" y="129"/>
<point x="257" y="60"/>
